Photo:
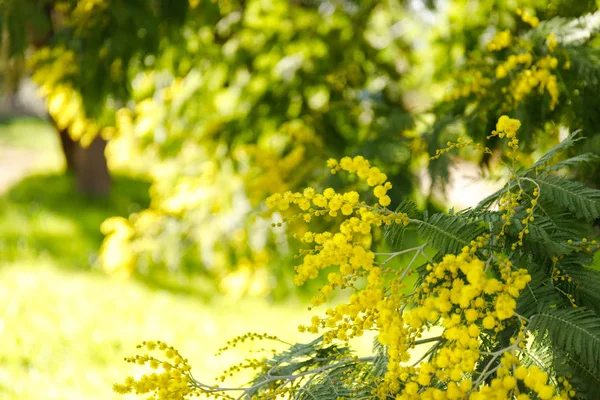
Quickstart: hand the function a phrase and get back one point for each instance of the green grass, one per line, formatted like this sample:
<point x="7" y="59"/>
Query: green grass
<point x="64" y="334"/>
<point x="44" y="216"/>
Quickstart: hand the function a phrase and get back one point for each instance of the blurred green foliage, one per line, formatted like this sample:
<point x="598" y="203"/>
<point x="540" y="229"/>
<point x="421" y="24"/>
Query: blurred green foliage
<point x="249" y="99"/>
<point x="544" y="72"/>
<point x="226" y="102"/>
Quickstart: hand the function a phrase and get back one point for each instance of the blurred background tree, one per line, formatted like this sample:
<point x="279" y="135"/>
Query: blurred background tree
<point x="83" y="52"/>
<point x="254" y="101"/>
<point x="227" y="102"/>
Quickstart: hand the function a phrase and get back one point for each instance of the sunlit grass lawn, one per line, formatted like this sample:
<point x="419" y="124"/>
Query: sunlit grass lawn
<point x="64" y="333"/>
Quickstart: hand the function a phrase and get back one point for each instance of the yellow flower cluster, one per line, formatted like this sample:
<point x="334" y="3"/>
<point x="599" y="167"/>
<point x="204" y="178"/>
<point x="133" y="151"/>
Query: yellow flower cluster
<point x="506" y="384"/>
<point x="467" y="289"/>
<point x="331" y="201"/>
<point x="477" y="85"/>
<point x="511" y="63"/>
<point x="473" y="301"/>
<point x="500" y="41"/>
<point x="551" y="42"/>
<point x="510" y="201"/>
<point x="457" y="293"/>
<point x="507" y="127"/>
<point x="469" y="304"/>
<point x="363" y="169"/>
<point x="537" y="76"/>
<point x="527" y="18"/>
<point x="170" y="382"/>
<point x="52" y="67"/>
<point x="349" y="248"/>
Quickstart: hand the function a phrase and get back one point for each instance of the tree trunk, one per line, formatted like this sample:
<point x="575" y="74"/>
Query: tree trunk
<point x="91" y="169"/>
<point x="69" y="148"/>
<point x="87" y="164"/>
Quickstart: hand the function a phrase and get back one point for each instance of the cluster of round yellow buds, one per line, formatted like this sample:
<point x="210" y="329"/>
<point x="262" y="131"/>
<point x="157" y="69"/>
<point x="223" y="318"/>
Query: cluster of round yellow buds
<point x="500" y="41"/>
<point x="477" y="85"/>
<point x="508" y="204"/>
<point x="507" y="127"/>
<point x="172" y="381"/>
<point x="506" y="384"/>
<point x="460" y="144"/>
<point x="557" y="276"/>
<point x="528" y="18"/>
<point x="528" y="217"/>
<point x="585" y="244"/>
<point x="537" y="76"/>
<point x="331" y="202"/>
<point x="349" y="250"/>
<point x="247" y="364"/>
<point x="316" y="204"/>
<point x="458" y="292"/>
<point x="461" y="281"/>
<point x="349" y="247"/>
<point x="551" y="42"/>
<point x="250" y="336"/>
<point x="511" y="63"/>
<point x="363" y="169"/>
<point x="479" y="243"/>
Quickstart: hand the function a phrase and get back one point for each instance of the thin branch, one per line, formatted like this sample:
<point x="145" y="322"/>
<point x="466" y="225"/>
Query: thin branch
<point x="287" y="378"/>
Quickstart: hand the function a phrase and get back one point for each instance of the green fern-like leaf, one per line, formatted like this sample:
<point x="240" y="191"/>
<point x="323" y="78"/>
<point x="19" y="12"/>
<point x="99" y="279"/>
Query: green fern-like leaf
<point x="586" y="158"/>
<point x="569" y="31"/>
<point x="585" y="61"/>
<point x="575" y="330"/>
<point x="585" y="381"/>
<point x="585" y="286"/>
<point x="573" y="196"/>
<point x="394" y="233"/>
<point x="327" y="386"/>
<point x="538" y="294"/>
<point x="554" y="151"/>
<point x="379" y="367"/>
<point x="449" y="233"/>
<point x="298" y="357"/>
